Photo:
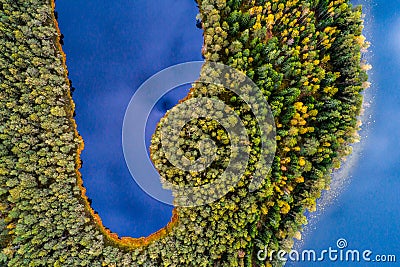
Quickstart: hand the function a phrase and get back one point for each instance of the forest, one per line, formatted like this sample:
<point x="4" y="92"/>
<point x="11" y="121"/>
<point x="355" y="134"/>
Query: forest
<point x="305" y="56"/>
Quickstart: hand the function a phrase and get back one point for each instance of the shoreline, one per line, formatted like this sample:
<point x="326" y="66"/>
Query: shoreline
<point x="124" y="242"/>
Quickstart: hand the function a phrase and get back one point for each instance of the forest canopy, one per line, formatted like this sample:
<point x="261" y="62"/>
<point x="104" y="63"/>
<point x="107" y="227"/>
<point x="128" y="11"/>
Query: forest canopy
<point x="305" y="56"/>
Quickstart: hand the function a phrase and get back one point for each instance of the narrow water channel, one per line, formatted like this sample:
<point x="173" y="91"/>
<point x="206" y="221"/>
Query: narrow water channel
<point x="112" y="47"/>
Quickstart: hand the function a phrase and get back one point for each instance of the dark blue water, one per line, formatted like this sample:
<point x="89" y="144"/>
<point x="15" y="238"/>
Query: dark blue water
<point x="112" y="47"/>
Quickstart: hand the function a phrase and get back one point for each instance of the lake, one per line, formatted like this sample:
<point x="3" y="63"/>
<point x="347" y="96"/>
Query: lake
<point x="112" y="47"/>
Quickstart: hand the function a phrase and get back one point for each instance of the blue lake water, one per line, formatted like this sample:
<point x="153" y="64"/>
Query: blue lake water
<point x="112" y="47"/>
